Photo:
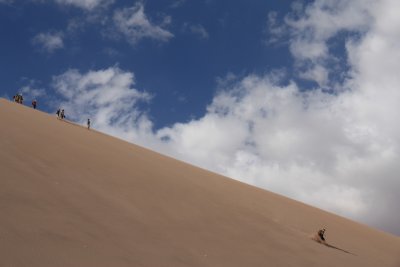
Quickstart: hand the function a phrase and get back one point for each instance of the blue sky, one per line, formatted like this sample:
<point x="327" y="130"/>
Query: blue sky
<point x="209" y="39"/>
<point x="297" y="97"/>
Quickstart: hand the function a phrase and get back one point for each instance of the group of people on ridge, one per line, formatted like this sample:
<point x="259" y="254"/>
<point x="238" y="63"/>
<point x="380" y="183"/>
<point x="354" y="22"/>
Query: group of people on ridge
<point x="60" y="114"/>
<point x="18" y="98"/>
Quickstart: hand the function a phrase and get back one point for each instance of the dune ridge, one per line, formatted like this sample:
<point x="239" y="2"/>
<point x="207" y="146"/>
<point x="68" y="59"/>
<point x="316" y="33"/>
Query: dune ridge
<point x="74" y="197"/>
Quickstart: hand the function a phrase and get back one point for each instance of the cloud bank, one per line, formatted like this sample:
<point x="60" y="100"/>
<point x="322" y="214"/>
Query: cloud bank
<point x="337" y="149"/>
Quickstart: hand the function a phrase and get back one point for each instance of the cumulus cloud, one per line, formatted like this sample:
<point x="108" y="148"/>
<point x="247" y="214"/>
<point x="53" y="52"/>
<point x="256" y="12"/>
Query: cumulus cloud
<point x="85" y="4"/>
<point x="49" y="41"/>
<point x="30" y="92"/>
<point x="275" y="141"/>
<point x="133" y="23"/>
<point x="338" y="151"/>
<point x="311" y="28"/>
<point x="107" y="97"/>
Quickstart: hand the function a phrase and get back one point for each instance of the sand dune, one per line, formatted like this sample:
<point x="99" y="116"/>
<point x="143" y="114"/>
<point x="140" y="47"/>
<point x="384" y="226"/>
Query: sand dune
<point x="74" y="197"/>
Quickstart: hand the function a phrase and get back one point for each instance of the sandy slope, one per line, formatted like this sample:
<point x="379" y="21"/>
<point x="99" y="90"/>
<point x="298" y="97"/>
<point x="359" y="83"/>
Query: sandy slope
<point x="73" y="197"/>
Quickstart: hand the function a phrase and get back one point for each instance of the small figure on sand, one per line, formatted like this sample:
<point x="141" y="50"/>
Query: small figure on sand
<point x="62" y="114"/>
<point x="320" y="238"/>
<point x="88" y="124"/>
<point x="34" y="103"/>
<point x="321" y="234"/>
<point x="58" y="113"/>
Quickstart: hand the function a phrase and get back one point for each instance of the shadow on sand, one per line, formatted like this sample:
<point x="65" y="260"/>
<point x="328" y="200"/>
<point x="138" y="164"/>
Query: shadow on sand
<point x="345" y="251"/>
<point x="317" y="239"/>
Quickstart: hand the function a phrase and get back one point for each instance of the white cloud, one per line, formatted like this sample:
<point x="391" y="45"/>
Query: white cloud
<point x="49" y="41"/>
<point x="275" y="30"/>
<point x="134" y="25"/>
<point x="318" y="74"/>
<point x="197" y="29"/>
<point x="86" y="4"/>
<point x="107" y="97"/>
<point x="30" y="92"/>
<point x="177" y="3"/>
<point x="312" y="27"/>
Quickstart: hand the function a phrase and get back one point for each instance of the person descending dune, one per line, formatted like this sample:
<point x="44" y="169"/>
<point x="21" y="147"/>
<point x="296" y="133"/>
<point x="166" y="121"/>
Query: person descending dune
<point x="320" y="238"/>
<point x="321" y="234"/>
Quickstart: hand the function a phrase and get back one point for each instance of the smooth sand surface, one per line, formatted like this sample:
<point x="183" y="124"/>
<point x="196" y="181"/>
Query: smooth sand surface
<point x="80" y="198"/>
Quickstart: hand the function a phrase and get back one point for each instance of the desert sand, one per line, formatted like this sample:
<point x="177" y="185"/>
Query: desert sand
<point x="76" y="197"/>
